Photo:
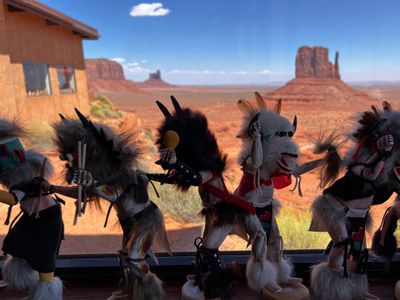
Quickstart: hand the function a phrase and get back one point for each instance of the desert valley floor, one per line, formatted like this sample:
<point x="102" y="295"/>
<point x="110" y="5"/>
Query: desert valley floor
<point x="219" y="104"/>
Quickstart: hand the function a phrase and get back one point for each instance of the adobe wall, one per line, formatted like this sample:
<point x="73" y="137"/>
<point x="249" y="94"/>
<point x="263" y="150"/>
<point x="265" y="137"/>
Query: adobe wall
<point x="30" y="39"/>
<point x="7" y="98"/>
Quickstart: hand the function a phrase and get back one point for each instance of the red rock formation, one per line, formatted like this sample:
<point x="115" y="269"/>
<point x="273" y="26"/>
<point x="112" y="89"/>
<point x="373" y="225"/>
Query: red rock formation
<point x="317" y="89"/>
<point x="101" y="68"/>
<point x="317" y="80"/>
<point x="155" y="81"/>
<point x="108" y="75"/>
<point x="314" y="62"/>
<point x="155" y="76"/>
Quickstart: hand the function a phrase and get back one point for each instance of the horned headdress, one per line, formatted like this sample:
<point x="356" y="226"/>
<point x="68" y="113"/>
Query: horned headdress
<point x="107" y="151"/>
<point x="198" y="146"/>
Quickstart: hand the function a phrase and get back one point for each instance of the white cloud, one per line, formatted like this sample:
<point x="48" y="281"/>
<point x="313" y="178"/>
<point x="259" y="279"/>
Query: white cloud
<point x="119" y="60"/>
<point x="149" y="10"/>
<point x="137" y="69"/>
<point x="224" y="77"/>
<point x="132" y="64"/>
<point x="240" y="72"/>
<point x="143" y="61"/>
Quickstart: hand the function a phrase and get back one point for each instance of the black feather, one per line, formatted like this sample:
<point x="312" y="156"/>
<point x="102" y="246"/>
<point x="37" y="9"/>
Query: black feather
<point x="164" y="110"/>
<point x="176" y="105"/>
<point x="84" y="120"/>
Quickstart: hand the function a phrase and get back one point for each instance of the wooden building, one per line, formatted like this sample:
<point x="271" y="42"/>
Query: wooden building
<point x="42" y="67"/>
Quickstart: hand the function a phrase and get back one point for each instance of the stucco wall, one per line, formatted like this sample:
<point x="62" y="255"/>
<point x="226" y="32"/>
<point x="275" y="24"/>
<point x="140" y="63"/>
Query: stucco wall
<point x="7" y="98"/>
<point x="30" y="39"/>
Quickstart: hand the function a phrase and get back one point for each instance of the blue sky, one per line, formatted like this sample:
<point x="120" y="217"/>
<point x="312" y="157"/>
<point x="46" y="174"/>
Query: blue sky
<point x="240" y="41"/>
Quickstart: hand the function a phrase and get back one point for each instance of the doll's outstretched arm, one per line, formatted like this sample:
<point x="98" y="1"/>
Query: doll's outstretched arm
<point x="169" y="161"/>
<point x="376" y="162"/>
<point x="9" y="198"/>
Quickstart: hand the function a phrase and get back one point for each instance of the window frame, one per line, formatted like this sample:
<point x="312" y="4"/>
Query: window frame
<point x="50" y="89"/>
<point x="75" y="91"/>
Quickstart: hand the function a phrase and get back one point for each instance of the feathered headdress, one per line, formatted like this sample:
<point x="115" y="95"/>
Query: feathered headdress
<point x="17" y="165"/>
<point x="107" y="151"/>
<point x="198" y="146"/>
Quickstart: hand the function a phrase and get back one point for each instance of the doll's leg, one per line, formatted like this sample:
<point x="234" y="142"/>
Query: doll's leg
<point x="338" y="234"/>
<point x="356" y="267"/>
<point x="274" y="254"/>
<point x="260" y="272"/>
<point x="212" y="277"/>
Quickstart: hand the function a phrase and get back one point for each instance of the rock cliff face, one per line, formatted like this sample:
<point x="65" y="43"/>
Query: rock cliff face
<point x="314" y="62"/>
<point x="107" y="75"/>
<point x="317" y="79"/>
<point x="101" y="68"/>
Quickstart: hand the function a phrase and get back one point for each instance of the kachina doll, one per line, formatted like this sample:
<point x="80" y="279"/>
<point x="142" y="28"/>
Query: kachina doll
<point x="194" y="159"/>
<point x="110" y="172"/>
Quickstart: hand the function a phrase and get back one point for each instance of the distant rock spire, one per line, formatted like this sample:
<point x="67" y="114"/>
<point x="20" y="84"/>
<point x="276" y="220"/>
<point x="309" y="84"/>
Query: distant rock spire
<point x="155" y="76"/>
<point x="337" y="74"/>
<point x="314" y="62"/>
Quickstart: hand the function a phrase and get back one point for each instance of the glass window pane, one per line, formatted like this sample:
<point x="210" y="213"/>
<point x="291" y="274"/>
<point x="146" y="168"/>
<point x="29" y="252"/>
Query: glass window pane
<point x="37" y="80"/>
<point x="66" y="79"/>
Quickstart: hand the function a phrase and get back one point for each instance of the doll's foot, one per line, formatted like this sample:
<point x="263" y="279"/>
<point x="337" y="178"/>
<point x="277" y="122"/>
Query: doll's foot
<point x="369" y="296"/>
<point x="295" y="280"/>
<point x="276" y="289"/>
<point x="3" y="283"/>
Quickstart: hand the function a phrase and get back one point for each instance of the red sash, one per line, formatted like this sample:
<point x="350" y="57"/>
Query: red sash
<point x="226" y="197"/>
<point x="246" y="184"/>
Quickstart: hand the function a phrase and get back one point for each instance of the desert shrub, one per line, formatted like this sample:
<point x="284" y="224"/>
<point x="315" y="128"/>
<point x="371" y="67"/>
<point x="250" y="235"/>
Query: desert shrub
<point x="293" y="226"/>
<point x="39" y="136"/>
<point x="148" y="134"/>
<point x="101" y="107"/>
<point x="183" y="207"/>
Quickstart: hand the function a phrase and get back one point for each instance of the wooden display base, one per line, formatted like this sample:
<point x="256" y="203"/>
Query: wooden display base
<point x="117" y="295"/>
<point x="397" y="290"/>
<point x="300" y="292"/>
<point x="192" y="292"/>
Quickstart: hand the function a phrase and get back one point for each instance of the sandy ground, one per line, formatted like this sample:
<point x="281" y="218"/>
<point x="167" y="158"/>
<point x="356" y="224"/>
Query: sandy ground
<point x="219" y="104"/>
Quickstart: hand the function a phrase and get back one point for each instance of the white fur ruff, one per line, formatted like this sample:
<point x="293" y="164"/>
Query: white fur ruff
<point x="328" y="284"/>
<point x="47" y="290"/>
<point x="18" y="274"/>
<point x="284" y="270"/>
<point x="325" y="215"/>
<point x="260" y="274"/>
<point x="190" y="291"/>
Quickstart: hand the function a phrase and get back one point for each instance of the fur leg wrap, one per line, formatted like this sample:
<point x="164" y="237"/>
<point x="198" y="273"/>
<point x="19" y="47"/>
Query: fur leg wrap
<point x="214" y="279"/>
<point x="260" y="274"/>
<point x="18" y="274"/>
<point x="284" y="270"/>
<point x="328" y="284"/>
<point x="47" y="290"/>
<point x="150" y="287"/>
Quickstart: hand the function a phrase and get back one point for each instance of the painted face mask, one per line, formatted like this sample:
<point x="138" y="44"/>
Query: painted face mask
<point x="12" y="155"/>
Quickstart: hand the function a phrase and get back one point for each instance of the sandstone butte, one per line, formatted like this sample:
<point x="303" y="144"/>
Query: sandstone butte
<point x="155" y="81"/>
<point x="107" y="75"/>
<point x="317" y="79"/>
